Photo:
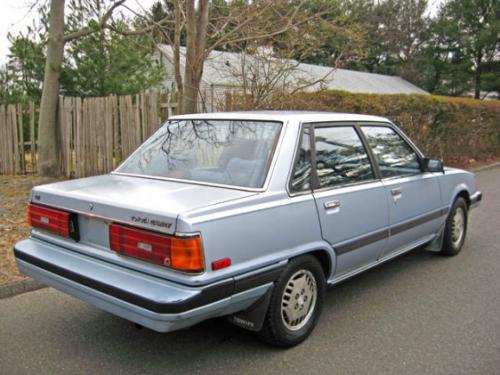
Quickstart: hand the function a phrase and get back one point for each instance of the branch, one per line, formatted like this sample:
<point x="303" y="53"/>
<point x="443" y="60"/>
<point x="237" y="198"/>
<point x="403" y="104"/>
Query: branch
<point x="145" y="30"/>
<point x="141" y="31"/>
<point x="321" y="79"/>
<point x="90" y="30"/>
<point x="290" y="24"/>
<point x="240" y="26"/>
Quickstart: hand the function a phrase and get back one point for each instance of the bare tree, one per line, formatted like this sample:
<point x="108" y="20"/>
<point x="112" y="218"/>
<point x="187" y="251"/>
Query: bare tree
<point x="233" y="25"/>
<point x="261" y="77"/>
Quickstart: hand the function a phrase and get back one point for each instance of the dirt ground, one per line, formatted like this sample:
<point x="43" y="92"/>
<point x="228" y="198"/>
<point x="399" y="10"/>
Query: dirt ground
<point x="14" y="192"/>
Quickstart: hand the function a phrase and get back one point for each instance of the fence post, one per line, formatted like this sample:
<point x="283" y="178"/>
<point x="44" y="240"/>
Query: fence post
<point x="68" y="125"/>
<point x="84" y="141"/>
<point x="32" y="137"/>
<point x="20" y="126"/>
<point x="77" y="143"/>
<point x="144" y="120"/>
<point x="108" y="124"/>
<point x="137" y="122"/>
<point x="123" y="127"/>
<point x="3" y="141"/>
<point x="15" y="137"/>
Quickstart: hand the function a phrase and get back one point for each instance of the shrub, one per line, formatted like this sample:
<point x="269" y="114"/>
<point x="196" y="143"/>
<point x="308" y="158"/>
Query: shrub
<point x="457" y="130"/>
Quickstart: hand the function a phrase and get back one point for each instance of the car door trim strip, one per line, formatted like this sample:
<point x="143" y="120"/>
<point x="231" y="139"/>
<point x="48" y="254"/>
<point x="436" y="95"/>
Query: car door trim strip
<point x="363" y="241"/>
<point x="396" y="229"/>
<point x="385" y="233"/>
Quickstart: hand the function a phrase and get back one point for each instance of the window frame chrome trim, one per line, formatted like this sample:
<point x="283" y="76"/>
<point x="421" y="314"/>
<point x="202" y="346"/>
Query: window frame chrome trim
<point x="374" y="163"/>
<point x="404" y="137"/>
<point x="321" y="190"/>
<point x="298" y="145"/>
<point x="312" y="125"/>
<point x="353" y="124"/>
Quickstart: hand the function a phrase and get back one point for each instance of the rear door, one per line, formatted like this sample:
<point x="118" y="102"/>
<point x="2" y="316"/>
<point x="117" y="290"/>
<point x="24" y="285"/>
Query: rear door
<point x="350" y="200"/>
<point x="413" y="196"/>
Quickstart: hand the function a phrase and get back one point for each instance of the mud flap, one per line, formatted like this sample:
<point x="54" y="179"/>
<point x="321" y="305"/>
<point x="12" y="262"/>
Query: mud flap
<point x="436" y="244"/>
<point x="253" y="317"/>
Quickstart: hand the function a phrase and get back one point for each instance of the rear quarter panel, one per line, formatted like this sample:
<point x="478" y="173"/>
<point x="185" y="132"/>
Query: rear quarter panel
<point x="257" y="231"/>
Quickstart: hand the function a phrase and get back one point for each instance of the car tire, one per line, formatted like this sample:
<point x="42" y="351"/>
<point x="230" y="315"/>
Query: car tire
<point x="296" y="303"/>
<point x="455" y="228"/>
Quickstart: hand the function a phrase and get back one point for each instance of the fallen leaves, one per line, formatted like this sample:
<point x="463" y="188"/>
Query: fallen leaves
<point x="14" y="194"/>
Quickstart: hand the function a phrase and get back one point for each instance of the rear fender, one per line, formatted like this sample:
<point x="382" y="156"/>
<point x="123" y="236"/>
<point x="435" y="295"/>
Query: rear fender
<point x="314" y="248"/>
<point x="253" y="317"/>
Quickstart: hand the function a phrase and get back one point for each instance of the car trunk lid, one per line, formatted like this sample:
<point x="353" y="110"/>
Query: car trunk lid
<point x="135" y="201"/>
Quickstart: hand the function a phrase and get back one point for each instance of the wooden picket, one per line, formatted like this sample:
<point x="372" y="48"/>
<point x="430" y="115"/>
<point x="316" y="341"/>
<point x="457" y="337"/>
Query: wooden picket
<point x="5" y="165"/>
<point x="32" y="144"/>
<point x="95" y="134"/>
<point x="12" y="160"/>
<point x="103" y="131"/>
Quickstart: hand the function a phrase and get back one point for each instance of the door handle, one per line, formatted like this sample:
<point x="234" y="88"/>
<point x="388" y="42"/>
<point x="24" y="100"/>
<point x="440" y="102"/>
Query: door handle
<point x="332" y="204"/>
<point x="396" y="191"/>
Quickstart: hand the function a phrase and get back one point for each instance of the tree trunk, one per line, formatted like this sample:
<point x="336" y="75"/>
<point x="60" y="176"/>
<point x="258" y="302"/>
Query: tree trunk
<point x="191" y="87"/>
<point x="477" y="83"/>
<point x="477" y="75"/>
<point x="177" y="58"/>
<point x="196" y="39"/>
<point x="49" y="152"/>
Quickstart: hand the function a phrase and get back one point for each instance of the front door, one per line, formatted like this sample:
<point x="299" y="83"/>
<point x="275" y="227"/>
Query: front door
<point x="350" y="200"/>
<point x="413" y="196"/>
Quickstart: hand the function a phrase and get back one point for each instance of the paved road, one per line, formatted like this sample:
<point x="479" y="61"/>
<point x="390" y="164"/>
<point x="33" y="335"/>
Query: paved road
<point x="418" y="314"/>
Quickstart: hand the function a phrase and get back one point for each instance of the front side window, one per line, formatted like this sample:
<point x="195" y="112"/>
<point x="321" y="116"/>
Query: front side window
<point x="301" y="175"/>
<point x="340" y="157"/>
<point x="228" y="152"/>
<point x="395" y="157"/>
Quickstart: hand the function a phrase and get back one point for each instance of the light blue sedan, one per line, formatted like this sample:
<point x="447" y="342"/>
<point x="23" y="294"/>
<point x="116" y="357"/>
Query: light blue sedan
<point x="249" y="215"/>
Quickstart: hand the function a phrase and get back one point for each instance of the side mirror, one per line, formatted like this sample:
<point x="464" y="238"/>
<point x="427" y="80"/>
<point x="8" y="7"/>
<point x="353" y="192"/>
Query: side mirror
<point x="433" y="165"/>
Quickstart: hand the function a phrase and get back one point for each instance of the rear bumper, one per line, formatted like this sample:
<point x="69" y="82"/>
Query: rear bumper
<point x="475" y="199"/>
<point x="147" y="300"/>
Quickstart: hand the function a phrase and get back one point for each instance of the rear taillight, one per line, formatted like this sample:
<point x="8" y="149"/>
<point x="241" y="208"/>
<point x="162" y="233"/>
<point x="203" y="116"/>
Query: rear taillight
<point x="59" y="222"/>
<point x="180" y="253"/>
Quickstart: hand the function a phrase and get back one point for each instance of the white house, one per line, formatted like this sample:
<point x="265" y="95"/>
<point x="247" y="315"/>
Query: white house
<point x="233" y="71"/>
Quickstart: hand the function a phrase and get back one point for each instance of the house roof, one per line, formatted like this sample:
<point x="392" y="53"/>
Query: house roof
<point x="223" y="68"/>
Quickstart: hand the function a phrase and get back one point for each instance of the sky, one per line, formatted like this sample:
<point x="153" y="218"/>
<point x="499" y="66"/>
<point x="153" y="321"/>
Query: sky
<point x="15" y="16"/>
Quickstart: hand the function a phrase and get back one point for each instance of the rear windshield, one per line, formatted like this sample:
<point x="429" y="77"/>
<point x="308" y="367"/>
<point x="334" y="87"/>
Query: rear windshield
<point x="228" y="152"/>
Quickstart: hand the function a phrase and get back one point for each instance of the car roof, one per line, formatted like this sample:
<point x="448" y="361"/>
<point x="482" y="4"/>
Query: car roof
<point x="301" y="116"/>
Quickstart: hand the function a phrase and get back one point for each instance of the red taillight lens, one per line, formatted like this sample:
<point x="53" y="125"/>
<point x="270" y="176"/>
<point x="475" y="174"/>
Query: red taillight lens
<point x="181" y="253"/>
<point x="221" y="263"/>
<point x="59" y="222"/>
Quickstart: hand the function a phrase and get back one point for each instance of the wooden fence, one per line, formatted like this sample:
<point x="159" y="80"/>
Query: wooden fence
<point x="95" y="134"/>
<point x="12" y="131"/>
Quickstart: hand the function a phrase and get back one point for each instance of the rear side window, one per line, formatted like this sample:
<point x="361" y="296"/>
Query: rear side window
<point x="341" y="158"/>
<point x="301" y="177"/>
<point x="395" y="157"/>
